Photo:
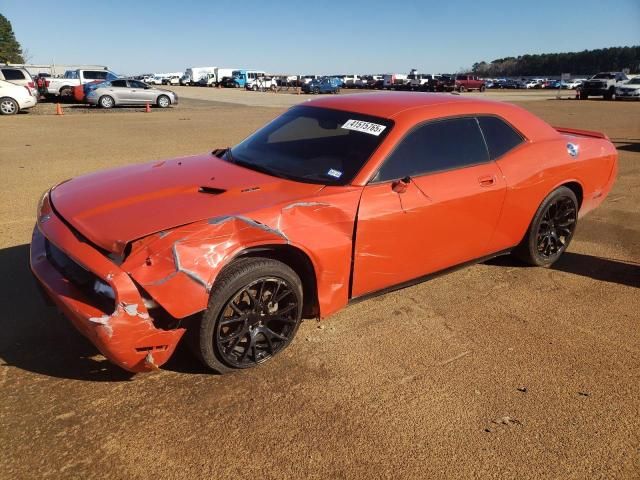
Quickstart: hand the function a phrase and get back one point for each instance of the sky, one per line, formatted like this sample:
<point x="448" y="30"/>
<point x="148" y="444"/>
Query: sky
<point x="312" y="36"/>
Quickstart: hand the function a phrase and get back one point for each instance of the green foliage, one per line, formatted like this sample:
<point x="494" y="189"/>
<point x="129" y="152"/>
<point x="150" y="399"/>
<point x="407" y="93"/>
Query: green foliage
<point x="586" y="62"/>
<point x="10" y="50"/>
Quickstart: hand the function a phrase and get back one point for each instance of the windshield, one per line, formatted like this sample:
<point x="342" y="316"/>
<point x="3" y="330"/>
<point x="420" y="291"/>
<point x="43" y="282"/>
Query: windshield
<point x="606" y="76"/>
<point x="634" y="81"/>
<point x="313" y="145"/>
<point x="236" y="73"/>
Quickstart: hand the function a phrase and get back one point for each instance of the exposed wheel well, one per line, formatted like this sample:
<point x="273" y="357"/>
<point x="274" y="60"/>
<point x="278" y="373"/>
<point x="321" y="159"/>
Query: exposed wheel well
<point x="297" y="260"/>
<point x="576" y="188"/>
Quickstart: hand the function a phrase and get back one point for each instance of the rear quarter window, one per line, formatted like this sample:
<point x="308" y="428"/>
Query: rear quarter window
<point x="13" y="74"/>
<point x="499" y="135"/>
<point x="95" y="75"/>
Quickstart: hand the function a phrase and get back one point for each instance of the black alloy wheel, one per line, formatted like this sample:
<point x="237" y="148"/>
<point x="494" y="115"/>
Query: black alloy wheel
<point x="551" y="229"/>
<point x="254" y="312"/>
<point x="556" y="228"/>
<point x="257" y="322"/>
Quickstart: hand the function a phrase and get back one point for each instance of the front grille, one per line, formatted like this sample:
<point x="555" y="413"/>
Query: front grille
<point x="79" y="276"/>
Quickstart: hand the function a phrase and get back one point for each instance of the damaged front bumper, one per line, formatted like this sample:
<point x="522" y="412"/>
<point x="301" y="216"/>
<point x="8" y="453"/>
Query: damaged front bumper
<point x="124" y="332"/>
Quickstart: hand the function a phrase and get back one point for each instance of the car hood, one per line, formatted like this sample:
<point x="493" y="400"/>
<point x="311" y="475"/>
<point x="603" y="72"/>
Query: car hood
<point x="114" y="207"/>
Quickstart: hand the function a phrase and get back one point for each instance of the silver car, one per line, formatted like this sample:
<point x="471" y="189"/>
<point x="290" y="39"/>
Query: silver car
<point x="130" y="92"/>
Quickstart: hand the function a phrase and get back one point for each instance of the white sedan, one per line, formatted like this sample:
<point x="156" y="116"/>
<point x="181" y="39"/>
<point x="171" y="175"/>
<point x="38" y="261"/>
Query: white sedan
<point x="14" y="98"/>
<point x="630" y="89"/>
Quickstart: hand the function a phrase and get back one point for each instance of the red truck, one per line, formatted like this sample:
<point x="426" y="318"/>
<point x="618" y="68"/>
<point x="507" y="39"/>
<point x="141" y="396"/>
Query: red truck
<point x="469" y="82"/>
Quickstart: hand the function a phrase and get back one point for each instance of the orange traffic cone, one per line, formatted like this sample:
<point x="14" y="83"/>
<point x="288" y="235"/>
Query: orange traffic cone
<point x="147" y="108"/>
<point x="59" y="109"/>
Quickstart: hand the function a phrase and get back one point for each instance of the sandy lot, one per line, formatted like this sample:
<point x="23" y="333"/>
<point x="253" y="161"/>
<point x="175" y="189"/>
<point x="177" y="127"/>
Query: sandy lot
<point x="495" y="371"/>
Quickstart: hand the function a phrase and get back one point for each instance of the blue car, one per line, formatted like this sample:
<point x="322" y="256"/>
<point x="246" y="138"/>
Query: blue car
<point x="323" y="85"/>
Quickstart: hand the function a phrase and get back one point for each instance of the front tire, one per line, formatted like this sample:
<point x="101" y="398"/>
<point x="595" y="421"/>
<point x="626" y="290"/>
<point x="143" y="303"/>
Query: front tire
<point x="255" y="309"/>
<point x="163" y="101"/>
<point x="551" y="229"/>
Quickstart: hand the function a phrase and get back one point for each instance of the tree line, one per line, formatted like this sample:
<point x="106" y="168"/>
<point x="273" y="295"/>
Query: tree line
<point x="577" y="63"/>
<point x="10" y="50"/>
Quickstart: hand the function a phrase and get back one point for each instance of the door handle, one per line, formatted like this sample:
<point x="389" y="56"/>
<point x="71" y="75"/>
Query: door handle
<point x="487" y="180"/>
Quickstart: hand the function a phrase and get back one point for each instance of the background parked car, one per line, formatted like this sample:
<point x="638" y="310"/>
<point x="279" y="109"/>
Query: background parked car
<point x="19" y="76"/>
<point x="323" y="85"/>
<point x="171" y="80"/>
<point x="14" y="98"/>
<point x="629" y="90"/>
<point x="469" y="82"/>
<point x="130" y="92"/>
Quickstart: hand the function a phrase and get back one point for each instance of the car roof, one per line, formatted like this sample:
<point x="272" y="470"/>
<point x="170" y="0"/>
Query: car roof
<point x="390" y="104"/>
<point x="407" y="109"/>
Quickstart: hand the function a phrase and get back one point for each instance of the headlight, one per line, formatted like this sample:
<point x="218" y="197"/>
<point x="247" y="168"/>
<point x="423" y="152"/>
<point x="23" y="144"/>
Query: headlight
<point x="41" y="201"/>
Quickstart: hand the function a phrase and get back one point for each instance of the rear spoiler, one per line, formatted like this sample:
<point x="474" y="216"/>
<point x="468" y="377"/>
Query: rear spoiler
<point x="581" y="133"/>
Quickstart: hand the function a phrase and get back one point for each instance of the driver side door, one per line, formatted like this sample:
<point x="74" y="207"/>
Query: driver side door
<point x="433" y="204"/>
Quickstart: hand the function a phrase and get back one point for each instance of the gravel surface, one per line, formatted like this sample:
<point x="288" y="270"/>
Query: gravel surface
<point x="494" y="371"/>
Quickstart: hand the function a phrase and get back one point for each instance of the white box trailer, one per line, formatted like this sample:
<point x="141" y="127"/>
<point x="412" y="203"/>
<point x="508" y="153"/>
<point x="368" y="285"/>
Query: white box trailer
<point x="195" y="74"/>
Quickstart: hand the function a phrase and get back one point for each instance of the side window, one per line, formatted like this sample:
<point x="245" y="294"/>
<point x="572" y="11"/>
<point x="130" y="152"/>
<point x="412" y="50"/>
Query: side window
<point x="12" y="74"/>
<point x="119" y="83"/>
<point x="434" y="147"/>
<point x="499" y="135"/>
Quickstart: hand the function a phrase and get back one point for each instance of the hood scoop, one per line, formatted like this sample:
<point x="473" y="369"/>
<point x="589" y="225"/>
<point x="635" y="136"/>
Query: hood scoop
<point x="211" y="190"/>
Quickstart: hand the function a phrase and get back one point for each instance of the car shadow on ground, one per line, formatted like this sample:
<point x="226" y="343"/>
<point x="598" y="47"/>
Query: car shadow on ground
<point x="627" y="144"/>
<point x="597" y="268"/>
<point x="37" y="338"/>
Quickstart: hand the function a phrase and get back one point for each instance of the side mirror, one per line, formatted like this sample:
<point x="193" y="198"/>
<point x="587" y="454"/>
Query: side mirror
<point x="400" y="186"/>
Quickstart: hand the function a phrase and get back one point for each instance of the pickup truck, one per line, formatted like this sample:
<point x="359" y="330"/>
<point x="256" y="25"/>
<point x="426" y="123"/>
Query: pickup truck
<point x="419" y="81"/>
<point x="72" y="78"/>
<point x="171" y="80"/>
<point x="602" y="84"/>
<point x="469" y="82"/>
<point x="262" y="84"/>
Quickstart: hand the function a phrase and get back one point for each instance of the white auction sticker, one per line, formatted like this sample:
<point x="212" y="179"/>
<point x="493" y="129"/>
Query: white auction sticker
<point x="365" y="127"/>
<point x="334" y="173"/>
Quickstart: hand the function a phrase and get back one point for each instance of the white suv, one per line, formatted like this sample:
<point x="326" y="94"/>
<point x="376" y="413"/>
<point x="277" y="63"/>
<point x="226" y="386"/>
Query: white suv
<point x="14" y="98"/>
<point x="18" y="76"/>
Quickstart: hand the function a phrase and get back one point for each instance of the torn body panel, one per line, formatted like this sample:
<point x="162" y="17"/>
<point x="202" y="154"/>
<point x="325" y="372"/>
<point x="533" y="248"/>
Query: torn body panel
<point x="178" y="268"/>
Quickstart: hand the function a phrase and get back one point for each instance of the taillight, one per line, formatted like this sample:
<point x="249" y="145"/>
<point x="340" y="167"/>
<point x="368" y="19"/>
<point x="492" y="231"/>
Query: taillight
<point x="31" y="85"/>
<point x="46" y="83"/>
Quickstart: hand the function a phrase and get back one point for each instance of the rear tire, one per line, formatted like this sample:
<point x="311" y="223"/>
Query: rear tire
<point x="106" y="101"/>
<point x="551" y="229"/>
<point x="242" y="326"/>
<point x="8" y="106"/>
<point x="461" y="89"/>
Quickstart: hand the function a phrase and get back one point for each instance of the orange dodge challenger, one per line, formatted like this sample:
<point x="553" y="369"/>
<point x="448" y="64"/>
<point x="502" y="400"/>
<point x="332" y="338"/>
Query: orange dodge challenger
<point x="335" y="200"/>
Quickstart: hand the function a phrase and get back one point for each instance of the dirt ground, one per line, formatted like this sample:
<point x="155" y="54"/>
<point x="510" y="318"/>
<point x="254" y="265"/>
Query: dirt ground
<point x="495" y="371"/>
